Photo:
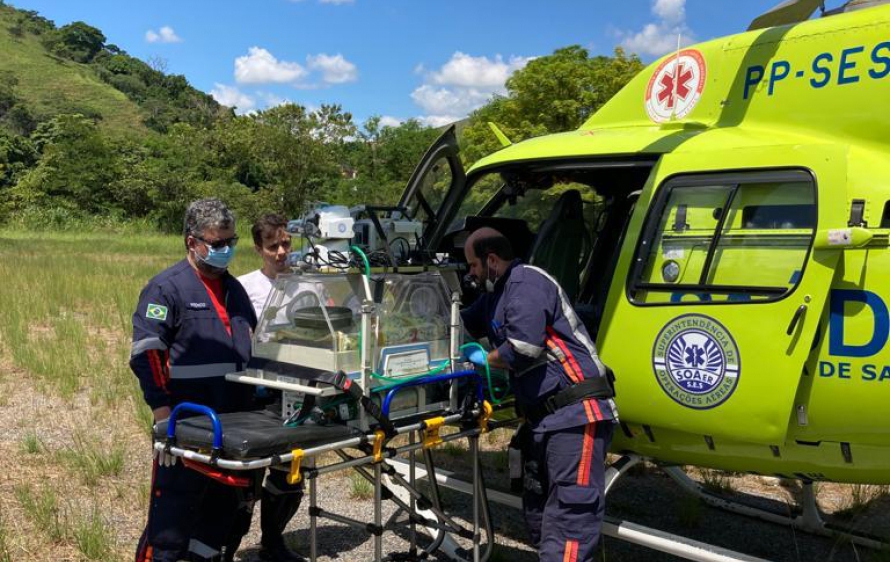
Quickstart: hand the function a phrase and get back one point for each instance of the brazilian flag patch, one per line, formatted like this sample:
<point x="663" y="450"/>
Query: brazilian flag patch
<point x="156" y="312"/>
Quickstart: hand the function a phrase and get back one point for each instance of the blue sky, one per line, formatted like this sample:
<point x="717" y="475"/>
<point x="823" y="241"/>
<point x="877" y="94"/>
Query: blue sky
<point x="400" y="59"/>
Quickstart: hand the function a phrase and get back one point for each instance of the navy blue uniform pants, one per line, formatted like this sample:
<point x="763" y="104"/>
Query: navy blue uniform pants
<point x="192" y="517"/>
<point x="564" y="499"/>
<point x="280" y="501"/>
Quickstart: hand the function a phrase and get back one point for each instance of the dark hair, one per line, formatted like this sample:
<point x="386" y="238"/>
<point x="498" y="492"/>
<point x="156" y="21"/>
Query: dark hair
<point x="496" y="244"/>
<point x="266" y="225"/>
<point x="206" y="213"/>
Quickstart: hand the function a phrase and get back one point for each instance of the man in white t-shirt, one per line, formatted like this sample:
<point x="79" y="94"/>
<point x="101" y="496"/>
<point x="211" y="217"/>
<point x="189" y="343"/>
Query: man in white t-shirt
<point x="280" y="500"/>
<point x="272" y="242"/>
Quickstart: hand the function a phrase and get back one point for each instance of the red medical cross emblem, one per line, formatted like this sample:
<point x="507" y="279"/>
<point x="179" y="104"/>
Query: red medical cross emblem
<point x="682" y="88"/>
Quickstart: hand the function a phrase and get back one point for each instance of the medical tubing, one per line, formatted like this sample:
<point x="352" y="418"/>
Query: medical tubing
<point x="430" y="380"/>
<point x="366" y="279"/>
<point x="197" y="409"/>
<point x="494" y="400"/>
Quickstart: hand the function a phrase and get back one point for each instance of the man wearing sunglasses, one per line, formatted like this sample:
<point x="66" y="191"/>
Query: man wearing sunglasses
<point x="191" y="327"/>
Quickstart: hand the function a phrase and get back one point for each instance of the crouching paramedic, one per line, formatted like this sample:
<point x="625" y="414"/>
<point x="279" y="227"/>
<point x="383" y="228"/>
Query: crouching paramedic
<point x="562" y="388"/>
<point x="192" y="326"/>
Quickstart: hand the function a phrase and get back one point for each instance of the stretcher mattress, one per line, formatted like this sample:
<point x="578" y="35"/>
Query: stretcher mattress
<point x="252" y="434"/>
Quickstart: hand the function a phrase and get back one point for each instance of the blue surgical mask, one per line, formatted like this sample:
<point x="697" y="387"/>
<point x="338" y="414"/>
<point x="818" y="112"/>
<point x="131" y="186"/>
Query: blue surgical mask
<point x="218" y="258"/>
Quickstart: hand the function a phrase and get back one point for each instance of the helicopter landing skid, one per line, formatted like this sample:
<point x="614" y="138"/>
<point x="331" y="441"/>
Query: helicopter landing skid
<point x="616" y="528"/>
<point x="808" y="520"/>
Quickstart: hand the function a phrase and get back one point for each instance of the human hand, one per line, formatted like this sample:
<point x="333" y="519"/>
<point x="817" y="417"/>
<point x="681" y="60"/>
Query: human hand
<point x="476" y="356"/>
<point x="164" y="458"/>
<point x="160" y="414"/>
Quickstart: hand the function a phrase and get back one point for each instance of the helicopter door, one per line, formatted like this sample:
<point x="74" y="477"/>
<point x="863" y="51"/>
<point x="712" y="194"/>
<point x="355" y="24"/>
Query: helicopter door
<point x="718" y="295"/>
<point x="437" y="178"/>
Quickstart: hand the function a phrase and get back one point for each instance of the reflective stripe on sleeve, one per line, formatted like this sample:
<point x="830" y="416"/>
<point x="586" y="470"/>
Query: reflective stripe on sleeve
<point x="146" y="344"/>
<point x="201" y="371"/>
<point x="526" y="348"/>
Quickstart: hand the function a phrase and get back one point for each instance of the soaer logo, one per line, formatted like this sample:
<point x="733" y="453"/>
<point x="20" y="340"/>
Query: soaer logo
<point x="696" y="361"/>
<point x="156" y="312"/>
<point x="676" y="86"/>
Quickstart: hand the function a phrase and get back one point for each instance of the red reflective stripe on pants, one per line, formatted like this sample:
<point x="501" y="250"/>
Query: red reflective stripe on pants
<point x="571" y="552"/>
<point x="586" y="460"/>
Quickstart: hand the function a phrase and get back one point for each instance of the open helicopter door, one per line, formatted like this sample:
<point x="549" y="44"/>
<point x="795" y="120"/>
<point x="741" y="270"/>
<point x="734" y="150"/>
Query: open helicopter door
<point x="437" y="179"/>
<point x="720" y="288"/>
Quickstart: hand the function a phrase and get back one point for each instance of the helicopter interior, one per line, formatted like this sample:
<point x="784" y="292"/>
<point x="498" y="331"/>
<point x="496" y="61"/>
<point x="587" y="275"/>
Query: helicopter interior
<point x="569" y="218"/>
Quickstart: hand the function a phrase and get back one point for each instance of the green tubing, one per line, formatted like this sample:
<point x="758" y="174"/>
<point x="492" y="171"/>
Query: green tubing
<point x="359" y="251"/>
<point x="494" y="399"/>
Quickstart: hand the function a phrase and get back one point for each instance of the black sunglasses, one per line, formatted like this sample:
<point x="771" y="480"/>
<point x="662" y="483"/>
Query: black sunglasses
<point x="220" y="244"/>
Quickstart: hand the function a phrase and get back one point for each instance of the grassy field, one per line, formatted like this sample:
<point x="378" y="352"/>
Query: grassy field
<point x="74" y="439"/>
<point x="74" y="446"/>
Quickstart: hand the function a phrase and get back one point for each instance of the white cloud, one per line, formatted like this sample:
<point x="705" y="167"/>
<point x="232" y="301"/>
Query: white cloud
<point x="334" y="69"/>
<point x="163" y="35"/>
<point x="231" y="96"/>
<point x="259" y="66"/>
<point x="449" y="101"/>
<point x="463" y="84"/>
<point x="390" y="121"/>
<point x="271" y="100"/>
<point x="439" y="120"/>
<point x="670" y="10"/>
<point x="477" y="72"/>
<point x="660" y="37"/>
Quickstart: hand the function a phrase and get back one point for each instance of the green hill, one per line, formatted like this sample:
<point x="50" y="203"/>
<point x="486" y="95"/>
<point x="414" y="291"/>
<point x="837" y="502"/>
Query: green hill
<point x="48" y="84"/>
<point x="47" y="71"/>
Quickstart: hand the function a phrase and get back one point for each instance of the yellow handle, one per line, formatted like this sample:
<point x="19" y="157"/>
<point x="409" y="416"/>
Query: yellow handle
<point x="295" y="476"/>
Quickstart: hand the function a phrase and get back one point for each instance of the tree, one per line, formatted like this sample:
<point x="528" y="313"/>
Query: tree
<point x="382" y="159"/>
<point x="555" y="93"/>
<point x="76" y="169"/>
<point x="77" y="41"/>
<point x="17" y="155"/>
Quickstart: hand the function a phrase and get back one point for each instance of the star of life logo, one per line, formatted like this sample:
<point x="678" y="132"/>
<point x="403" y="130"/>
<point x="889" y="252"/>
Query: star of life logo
<point x="676" y="86"/>
<point x="696" y="361"/>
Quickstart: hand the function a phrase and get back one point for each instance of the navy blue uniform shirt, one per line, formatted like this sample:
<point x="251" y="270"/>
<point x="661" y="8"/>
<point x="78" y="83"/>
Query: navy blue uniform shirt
<point x="531" y="322"/>
<point x="181" y="349"/>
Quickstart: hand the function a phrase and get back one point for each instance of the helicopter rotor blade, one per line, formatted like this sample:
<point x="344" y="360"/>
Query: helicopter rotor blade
<point x="790" y="11"/>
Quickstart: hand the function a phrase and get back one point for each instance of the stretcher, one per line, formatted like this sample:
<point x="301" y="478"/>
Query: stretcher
<point x="392" y="401"/>
<point x="230" y="446"/>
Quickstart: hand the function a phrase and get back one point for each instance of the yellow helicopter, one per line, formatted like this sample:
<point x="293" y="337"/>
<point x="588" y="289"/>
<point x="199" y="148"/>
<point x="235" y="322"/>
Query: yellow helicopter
<point x="723" y="224"/>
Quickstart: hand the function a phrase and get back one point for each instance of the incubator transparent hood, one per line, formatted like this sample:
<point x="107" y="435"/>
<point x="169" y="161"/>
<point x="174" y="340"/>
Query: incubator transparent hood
<point x="315" y="325"/>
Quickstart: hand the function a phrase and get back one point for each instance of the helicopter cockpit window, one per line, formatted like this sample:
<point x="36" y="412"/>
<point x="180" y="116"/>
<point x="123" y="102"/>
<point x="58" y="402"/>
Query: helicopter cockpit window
<point x="733" y="239"/>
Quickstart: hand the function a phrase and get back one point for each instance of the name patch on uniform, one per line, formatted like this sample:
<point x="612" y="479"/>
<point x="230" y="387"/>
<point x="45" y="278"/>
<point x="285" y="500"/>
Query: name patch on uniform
<point x="696" y="361"/>
<point x="197" y="306"/>
<point x="156" y="312"/>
